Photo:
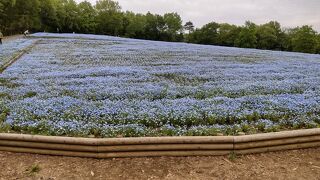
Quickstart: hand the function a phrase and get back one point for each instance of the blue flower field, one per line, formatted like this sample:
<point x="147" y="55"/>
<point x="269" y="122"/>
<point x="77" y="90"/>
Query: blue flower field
<point x="81" y="85"/>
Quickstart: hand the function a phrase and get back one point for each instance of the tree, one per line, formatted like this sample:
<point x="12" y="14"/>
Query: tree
<point x="48" y="15"/>
<point x="72" y="19"/>
<point x="26" y="15"/>
<point x="227" y="34"/>
<point x="208" y="34"/>
<point x="109" y="17"/>
<point x="5" y="5"/>
<point x="318" y="44"/>
<point x="173" y="25"/>
<point x="107" y="6"/>
<point x="153" y="27"/>
<point x="270" y="36"/>
<point x="304" y="39"/>
<point x="194" y="36"/>
<point x="266" y="37"/>
<point x="87" y="17"/>
<point x="247" y="36"/>
<point x="135" y="26"/>
<point x="106" y="17"/>
<point x="281" y="36"/>
<point x="189" y="27"/>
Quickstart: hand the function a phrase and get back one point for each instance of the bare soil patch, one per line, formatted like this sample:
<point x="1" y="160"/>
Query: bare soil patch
<point x="13" y="37"/>
<point x="295" y="164"/>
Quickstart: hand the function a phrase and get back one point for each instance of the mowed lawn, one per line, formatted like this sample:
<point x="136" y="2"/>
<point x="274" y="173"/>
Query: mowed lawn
<point x="81" y="85"/>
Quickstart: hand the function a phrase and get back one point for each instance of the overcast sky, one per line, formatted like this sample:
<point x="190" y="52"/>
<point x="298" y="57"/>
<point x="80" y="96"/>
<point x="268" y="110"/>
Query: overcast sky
<point x="289" y="13"/>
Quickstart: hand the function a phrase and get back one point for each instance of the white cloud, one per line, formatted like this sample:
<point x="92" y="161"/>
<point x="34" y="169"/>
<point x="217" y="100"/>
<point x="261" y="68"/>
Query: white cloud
<point x="289" y="13"/>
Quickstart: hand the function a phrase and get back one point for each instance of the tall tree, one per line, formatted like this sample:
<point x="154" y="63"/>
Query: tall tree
<point x="153" y="27"/>
<point x="135" y="26"/>
<point x="247" y="36"/>
<point x="23" y="15"/>
<point x="304" y="39"/>
<point x="87" y="16"/>
<point x="227" y="34"/>
<point x="72" y="20"/>
<point x="189" y="27"/>
<point x="48" y="15"/>
<point x="173" y="25"/>
<point x="266" y="37"/>
<point x="281" y="36"/>
<point x="109" y="17"/>
<point x="208" y="34"/>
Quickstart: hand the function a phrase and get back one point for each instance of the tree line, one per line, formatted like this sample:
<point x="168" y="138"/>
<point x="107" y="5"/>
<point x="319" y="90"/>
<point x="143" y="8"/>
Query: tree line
<point x="266" y="36"/>
<point x="106" y="17"/>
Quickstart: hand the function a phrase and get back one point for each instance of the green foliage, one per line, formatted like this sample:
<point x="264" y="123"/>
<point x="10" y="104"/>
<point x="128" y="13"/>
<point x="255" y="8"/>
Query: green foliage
<point x="318" y="44"/>
<point x="189" y="26"/>
<point x="107" y="6"/>
<point x="18" y="15"/>
<point x="304" y="39"/>
<point x="4" y="112"/>
<point x="109" y="19"/>
<point x="247" y="37"/>
<point x="266" y="37"/>
<point x="48" y="15"/>
<point x="173" y="26"/>
<point x="4" y="127"/>
<point x="30" y="94"/>
<point x="8" y="83"/>
<point x="208" y="34"/>
<point x="228" y="34"/>
<point x="33" y="169"/>
<point x="134" y="25"/>
<point x="87" y="17"/>
<point x="232" y="156"/>
<point x="106" y="17"/>
<point x="3" y="117"/>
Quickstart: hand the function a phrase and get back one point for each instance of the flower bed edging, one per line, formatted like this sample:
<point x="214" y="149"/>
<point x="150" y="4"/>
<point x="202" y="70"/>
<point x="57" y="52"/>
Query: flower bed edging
<point x="159" y="146"/>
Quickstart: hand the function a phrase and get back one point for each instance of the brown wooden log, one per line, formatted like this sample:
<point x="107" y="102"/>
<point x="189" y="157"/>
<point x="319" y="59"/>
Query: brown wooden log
<point x="277" y="135"/>
<point x="49" y="152"/>
<point x="118" y="141"/>
<point x="167" y="140"/>
<point x="164" y="147"/>
<point x="48" y="139"/>
<point x="278" y="148"/>
<point x="52" y="146"/>
<point x="164" y="153"/>
<point x="269" y="143"/>
<point x="121" y="148"/>
<point x="159" y="146"/>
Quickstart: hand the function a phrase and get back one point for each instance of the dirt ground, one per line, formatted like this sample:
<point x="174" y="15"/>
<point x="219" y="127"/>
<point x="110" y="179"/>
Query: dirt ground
<point x="10" y="38"/>
<point x="296" y="164"/>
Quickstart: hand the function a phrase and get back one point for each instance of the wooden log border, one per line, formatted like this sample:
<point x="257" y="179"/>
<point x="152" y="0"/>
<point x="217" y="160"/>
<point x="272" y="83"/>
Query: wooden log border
<point x="155" y="146"/>
<point x="159" y="146"/>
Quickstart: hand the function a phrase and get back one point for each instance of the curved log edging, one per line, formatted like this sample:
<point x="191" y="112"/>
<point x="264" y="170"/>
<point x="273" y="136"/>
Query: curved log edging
<point x="159" y="146"/>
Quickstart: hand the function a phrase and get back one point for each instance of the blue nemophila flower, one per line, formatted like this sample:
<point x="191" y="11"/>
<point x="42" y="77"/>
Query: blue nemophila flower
<point x="10" y="49"/>
<point x="111" y="86"/>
